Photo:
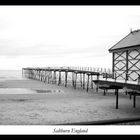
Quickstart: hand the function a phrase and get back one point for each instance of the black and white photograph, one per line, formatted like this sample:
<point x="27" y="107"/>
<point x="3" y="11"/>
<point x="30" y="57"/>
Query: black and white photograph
<point x="69" y="69"/>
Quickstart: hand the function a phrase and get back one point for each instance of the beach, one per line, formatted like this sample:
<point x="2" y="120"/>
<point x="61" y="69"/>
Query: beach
<point x="30" y="102"/>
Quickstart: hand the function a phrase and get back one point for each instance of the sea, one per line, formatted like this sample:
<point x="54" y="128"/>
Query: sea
<point x="10" y="74"/>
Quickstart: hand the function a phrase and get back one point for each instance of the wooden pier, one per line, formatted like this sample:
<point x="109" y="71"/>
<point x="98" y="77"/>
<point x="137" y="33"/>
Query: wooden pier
<point x="84" y="78"/>
<point x="61" y="75"/>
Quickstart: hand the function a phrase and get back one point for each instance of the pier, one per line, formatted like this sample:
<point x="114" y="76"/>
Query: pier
<point x="75" y="76"/>
<point x="85" y="78"/>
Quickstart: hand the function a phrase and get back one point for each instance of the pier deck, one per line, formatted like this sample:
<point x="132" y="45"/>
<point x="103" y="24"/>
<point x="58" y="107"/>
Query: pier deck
<point x="130" y="88"/>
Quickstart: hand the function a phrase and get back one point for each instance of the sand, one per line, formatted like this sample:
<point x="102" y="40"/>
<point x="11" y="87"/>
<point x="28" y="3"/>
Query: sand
<point x="30" y="102"/>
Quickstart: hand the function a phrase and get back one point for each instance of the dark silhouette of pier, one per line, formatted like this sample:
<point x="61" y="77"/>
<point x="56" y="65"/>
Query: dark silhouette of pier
<point x="57" y="75"/>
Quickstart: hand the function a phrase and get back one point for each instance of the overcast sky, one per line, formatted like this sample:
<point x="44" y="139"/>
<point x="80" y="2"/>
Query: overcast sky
<point x="40" y="36"/>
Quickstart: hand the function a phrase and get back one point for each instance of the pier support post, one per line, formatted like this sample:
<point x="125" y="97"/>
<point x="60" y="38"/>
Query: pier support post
<point x="66" y="76"/>
<point x="33" y="74"/>
<point x="88" y="82"/>
<point x="97" y="86"/>
<point x="39" y="75"/>
<point x="75" y="80"/>
<point x="29" y="73"/>
<point x="117" y="97"/>
<point x="51" y="76"/>
<point x="83" y="80"/>
<point x="59" y="80"/>
<point x="104" y="92"/>
<point x="91" y="82"/>
<point x="134" y="101"/>
<point x="54" y="76"/>
<point x="36" y="74"/>
<point x="48" y="77"/>
<point x="42" y="75"/>
<point x="45" y="76"/>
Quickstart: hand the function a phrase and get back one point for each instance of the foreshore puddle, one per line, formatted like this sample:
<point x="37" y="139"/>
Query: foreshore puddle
<point x="47" y="91"/>
<point x="16" y="91"/>
<point x="27" y="91"/>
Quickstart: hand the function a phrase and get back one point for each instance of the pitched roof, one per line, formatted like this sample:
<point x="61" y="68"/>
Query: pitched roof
<point x="131" y="40"/>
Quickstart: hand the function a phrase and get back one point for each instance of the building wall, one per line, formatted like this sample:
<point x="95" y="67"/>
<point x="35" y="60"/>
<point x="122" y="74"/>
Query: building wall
<point x="133" y="64"/>
<point x="127" y="61"/>
<point x="120" y="64"/>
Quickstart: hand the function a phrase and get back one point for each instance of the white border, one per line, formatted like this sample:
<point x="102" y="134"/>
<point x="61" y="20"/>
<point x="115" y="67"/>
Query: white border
<point x="39" y="130"/>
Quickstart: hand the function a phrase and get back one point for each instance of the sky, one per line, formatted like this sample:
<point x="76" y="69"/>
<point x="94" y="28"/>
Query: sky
<point x="42" y="36"/>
